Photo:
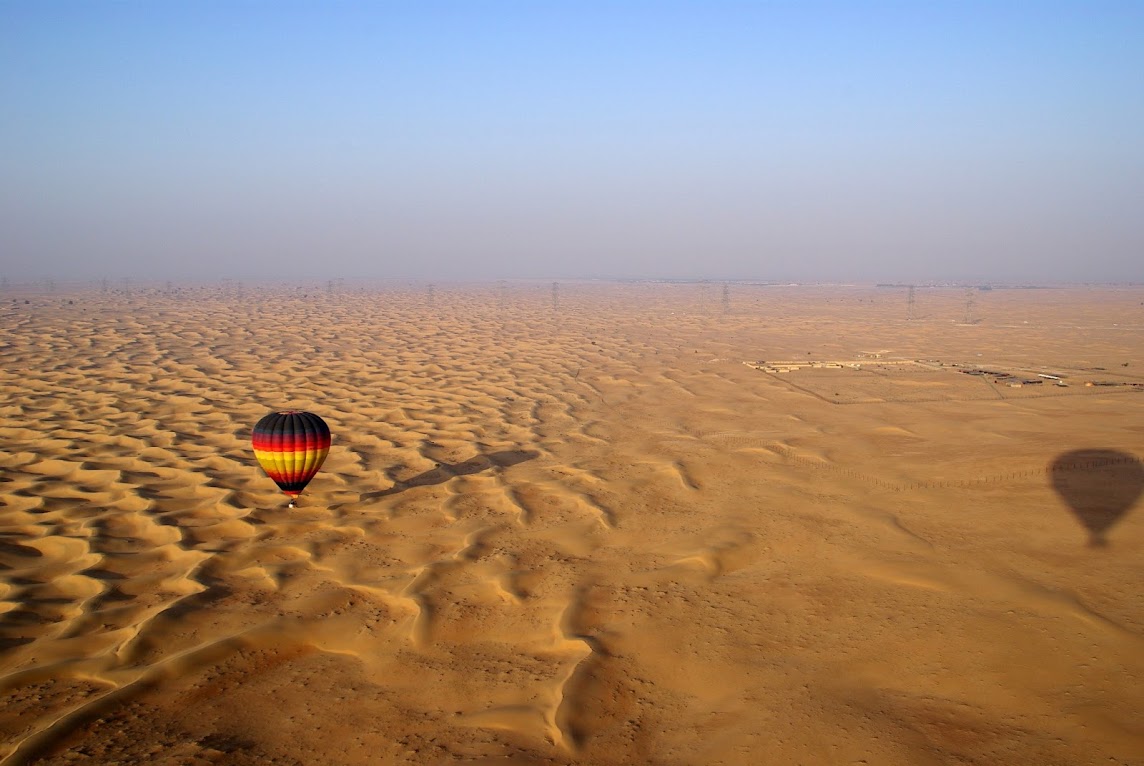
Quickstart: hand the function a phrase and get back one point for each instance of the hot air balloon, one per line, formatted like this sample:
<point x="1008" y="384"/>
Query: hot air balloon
<point x="291" y="446"/>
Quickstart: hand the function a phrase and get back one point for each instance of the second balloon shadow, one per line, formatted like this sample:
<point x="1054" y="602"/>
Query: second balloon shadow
<point x="1099" y="486"/>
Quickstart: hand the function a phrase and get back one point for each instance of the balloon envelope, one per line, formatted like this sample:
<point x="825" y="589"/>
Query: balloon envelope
<point x="291" y="446"/>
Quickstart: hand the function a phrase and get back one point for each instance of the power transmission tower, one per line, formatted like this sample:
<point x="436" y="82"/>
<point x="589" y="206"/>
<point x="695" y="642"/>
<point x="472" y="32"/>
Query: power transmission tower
<point x="970" y="302"/>
<point x="555" y="296"/>
<point x="726" y="298"/>
<point x="910" y="304"/>
<point x="429" y="293"/>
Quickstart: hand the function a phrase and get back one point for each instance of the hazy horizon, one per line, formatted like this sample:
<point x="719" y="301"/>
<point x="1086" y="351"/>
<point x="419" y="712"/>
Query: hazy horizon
<point x="783" y="141"/>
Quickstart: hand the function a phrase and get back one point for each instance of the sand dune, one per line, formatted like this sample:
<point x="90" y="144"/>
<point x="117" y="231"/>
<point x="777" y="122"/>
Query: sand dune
<point x="573" y="533"/>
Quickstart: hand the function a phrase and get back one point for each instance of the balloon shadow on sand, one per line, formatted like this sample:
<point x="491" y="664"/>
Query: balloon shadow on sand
<point x="1099" y="486"/>
<point x="445" y="471"/>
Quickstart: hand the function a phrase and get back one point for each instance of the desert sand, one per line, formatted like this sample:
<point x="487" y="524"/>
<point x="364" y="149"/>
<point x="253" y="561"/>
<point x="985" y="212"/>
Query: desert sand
<point x="570" y="526"/>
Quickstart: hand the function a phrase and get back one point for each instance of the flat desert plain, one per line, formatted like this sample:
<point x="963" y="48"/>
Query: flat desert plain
<point x="566" y="524"/>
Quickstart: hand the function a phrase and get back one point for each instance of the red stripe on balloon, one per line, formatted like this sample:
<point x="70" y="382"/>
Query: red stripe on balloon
<point x="290" y="442"/>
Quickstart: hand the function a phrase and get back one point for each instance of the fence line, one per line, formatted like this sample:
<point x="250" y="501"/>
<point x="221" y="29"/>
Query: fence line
<point x="979" y="482"/>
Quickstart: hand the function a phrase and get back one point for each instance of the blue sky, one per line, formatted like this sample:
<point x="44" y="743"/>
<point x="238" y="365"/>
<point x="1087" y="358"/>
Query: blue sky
<point x="877" y="141"/>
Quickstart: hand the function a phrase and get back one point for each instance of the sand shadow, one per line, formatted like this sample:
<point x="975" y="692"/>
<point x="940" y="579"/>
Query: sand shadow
<point x="445" y="471"/>
<point x="1099" y="486"/>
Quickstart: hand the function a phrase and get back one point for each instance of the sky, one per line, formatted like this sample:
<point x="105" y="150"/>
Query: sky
<point x="496" y="139"/>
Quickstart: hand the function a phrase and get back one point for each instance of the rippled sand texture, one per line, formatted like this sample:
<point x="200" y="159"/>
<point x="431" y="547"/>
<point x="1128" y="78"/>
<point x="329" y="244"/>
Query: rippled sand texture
<point x="561" y="528"/>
